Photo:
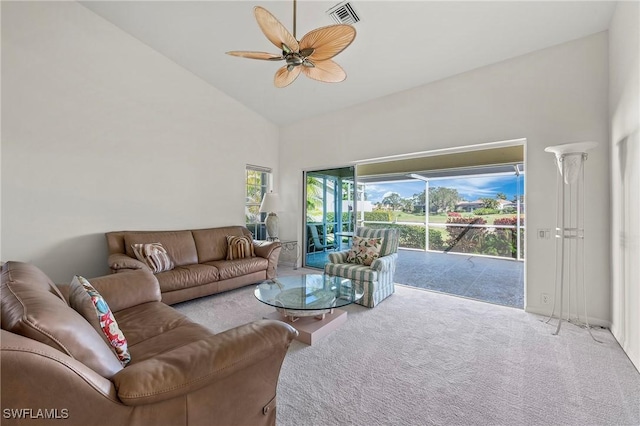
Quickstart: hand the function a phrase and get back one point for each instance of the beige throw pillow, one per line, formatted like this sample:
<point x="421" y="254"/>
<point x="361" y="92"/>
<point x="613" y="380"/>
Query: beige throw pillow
<point x="239" y="247"/>
<point x="154" y="256"/>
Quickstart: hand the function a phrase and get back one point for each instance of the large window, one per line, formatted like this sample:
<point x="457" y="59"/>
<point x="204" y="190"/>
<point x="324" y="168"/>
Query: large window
<point x="257" y="184"/>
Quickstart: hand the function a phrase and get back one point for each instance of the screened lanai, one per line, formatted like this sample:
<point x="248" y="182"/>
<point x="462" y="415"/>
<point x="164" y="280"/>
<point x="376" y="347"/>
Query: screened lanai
<point x="461" y="229"/>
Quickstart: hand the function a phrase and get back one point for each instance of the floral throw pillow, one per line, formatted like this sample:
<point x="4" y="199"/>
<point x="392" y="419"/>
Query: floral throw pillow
<point x="154" y="256"/>
<point x="364" y="250"/>
<point x="86" y="300"/>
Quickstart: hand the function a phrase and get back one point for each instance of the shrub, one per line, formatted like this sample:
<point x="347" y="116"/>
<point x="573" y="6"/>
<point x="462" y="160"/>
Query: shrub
<point x="463" y="238"/>
<point x="484" y="211"/>
<point x="505" y="241"/>
<point x="435" y="240"/>
<point x="378" y="216"/>
<point x="508" y="221"/>
<point x="453" y="214"/>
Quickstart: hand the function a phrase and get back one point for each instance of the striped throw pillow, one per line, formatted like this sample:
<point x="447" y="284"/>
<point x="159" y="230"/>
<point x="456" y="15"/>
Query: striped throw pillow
<point x="239" y="247"/>
<point x="154" y="256"/>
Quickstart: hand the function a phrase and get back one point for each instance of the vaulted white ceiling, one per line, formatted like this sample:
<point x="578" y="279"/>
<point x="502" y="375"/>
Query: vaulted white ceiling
<point x="399" y="44"/>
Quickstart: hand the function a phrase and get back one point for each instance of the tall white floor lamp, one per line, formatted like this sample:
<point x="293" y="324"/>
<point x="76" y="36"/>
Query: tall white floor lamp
<point x="570" y="160"/>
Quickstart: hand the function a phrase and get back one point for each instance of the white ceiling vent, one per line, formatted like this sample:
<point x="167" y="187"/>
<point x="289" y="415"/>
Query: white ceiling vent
<point x="343" y="13"/>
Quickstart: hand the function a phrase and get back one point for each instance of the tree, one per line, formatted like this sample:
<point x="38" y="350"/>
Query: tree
<point x="314" y="192"/>
<point x="443" y="199"/>
<point x="393" y="199"/>
<point x="489" y="203"/>
<point x="407" y="205"/>
<point x="419" y="198"/>
<point x="501" y="196"/>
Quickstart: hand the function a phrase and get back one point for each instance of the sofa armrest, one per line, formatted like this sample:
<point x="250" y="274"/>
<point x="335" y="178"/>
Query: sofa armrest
<point x="338" y="256"/>
<point x="270" y="250"/>
<point x="385" y="263"/>
<point x="120" y="261"/>
<point x="190" y="367"/>
<point x="127" y="289"/>
<point x="265" y="248"/>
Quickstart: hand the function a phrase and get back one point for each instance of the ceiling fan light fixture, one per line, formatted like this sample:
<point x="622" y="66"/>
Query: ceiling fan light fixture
<point x="311" y="55"/>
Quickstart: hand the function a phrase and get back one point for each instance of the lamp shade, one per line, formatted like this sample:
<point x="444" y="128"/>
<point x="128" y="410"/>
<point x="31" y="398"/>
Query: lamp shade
<point x="570" y="158"/>
<point x="270" y="203"/>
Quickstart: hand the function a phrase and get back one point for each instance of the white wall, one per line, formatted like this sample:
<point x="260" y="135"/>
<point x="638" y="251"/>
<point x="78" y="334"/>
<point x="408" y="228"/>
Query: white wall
<point x="553" y="96"/>
<point x="101" y="133"/>
<point x="624" y="108"/>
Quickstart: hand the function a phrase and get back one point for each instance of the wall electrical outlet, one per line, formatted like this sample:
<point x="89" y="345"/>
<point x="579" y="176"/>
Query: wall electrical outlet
<point x="543" y="234"/>
<point x="545" y="298"/>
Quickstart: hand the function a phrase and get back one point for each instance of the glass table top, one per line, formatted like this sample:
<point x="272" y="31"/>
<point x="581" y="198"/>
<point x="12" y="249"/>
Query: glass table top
<point x="308" y="292"/>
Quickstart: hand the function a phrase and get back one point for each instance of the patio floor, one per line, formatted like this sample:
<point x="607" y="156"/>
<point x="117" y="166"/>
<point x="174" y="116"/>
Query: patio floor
<point x="499" y="281"/>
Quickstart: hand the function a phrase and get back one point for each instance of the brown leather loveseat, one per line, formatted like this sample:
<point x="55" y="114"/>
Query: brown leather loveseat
<point x="200" y="260"/>
<point x="58" y="369"/>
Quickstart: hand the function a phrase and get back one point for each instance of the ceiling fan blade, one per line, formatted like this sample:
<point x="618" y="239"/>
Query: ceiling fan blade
<point x="274" y="30"/>
<point x="284" y="77"/>
<point x="326" y="71"/>
<point x="327" y="42"/>
<point x="256" y="55"/>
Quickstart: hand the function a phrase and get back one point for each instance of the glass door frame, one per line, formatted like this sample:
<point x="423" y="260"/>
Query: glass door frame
<point x="339" y="176"/>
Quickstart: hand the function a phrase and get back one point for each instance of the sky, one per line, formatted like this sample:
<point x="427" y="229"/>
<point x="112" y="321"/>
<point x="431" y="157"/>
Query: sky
<point x="469" y="188"/>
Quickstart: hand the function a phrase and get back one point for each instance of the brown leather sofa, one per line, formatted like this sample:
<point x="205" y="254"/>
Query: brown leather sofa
<point x="57" y="369"/>
<point x="200" y="261"/>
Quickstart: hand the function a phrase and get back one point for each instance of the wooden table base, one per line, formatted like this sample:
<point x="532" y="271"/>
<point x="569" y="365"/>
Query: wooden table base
<point x="310" y="329"/>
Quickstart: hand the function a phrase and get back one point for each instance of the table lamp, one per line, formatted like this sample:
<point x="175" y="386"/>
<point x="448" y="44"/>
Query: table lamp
<point x="271" y="204"/>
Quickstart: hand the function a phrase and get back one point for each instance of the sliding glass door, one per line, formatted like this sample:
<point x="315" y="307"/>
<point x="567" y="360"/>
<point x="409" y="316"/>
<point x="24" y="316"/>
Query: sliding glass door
<point x="330" y="213"/>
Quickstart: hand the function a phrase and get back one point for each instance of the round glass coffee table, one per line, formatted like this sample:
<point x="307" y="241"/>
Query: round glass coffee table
<point x="309" y="302"/>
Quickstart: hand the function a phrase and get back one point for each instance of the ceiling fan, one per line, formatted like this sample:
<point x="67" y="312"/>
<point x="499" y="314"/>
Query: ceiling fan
<point x="311" y="55"/>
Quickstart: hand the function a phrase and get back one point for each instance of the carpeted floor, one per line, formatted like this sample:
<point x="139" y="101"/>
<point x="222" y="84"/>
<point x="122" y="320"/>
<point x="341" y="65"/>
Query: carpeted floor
<point x="425" y="358"/>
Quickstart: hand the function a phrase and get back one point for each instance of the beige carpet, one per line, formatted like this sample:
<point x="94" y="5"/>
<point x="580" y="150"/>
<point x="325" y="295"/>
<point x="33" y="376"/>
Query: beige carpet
<point x="424" y="358"/>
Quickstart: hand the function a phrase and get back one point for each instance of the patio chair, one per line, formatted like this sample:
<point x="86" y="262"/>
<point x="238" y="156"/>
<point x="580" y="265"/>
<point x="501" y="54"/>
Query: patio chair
<point x="315" y="243"/>
<point x="376" y="278"/>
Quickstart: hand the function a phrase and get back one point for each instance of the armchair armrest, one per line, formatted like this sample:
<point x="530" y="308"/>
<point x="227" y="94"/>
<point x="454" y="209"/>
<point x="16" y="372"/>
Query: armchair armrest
<point x="385" y="263"/>
<point x="120" y="261"/>
<point x="188" y="368"/>
<point x="338" y="256"/>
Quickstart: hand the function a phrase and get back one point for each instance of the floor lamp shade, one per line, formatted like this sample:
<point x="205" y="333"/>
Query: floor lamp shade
<point x="271" y="204"/>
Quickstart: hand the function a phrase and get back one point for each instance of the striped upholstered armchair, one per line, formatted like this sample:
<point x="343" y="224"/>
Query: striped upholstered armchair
<point x="377" y="277"/>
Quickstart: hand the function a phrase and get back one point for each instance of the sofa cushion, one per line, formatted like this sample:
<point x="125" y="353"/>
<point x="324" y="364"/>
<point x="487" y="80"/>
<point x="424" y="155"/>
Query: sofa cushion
<point x="88" y="302"/>
<point x="212" y="243"/>
<point x="364" y="250"/>
<point x="239" y="247"/>
<point x="154" y="255"/>
<point x="155" y="328"/>
<point x="180" y="245"/>
<point x="235" y="268"/>
<point x="31" y="308"/>
<point x="187" y="276"/>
